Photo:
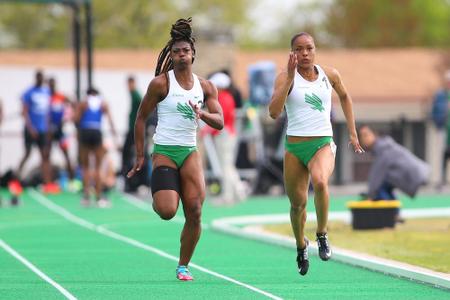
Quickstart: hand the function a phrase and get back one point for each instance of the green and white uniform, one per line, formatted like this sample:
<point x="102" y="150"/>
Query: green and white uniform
<point x="177" y="126"/>
<point x="308" y="108"/>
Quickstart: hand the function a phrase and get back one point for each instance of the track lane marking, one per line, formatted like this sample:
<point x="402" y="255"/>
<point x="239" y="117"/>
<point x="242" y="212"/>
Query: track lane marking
<point x="102" y="230"/>
<point x="38" y="272"/>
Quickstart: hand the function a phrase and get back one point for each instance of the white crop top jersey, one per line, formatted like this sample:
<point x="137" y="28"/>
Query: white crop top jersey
<point x="308" y="106"/>
<point x="176" y="119"/>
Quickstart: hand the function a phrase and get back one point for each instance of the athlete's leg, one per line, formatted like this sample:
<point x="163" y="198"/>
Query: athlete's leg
<point x="192" y="195"/>
<point x="69" y="167"/>
<point x="28" y="141"/>
<point x="99" y="154"/>
<point x="321" y="167"/>
<point x="296" y="179"/>
<point x="24" y="160"/>
<point x="165" y="202"/>
<point x="446" y="157"/>
<point x="44" y="150"/>
<point x="84" y="162"/>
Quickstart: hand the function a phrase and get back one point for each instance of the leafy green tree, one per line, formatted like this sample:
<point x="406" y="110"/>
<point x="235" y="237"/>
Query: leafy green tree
<point x="143" y="23"/>
<point x="34" y="25"/>
<point x="117" y="23"/>
<point x="389" y="23"/>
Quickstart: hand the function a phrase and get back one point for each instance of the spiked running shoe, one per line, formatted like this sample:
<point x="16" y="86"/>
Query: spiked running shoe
<point x="184" y="274"/>
<point x="302" y="259"/>
<point x="324" y="246"/>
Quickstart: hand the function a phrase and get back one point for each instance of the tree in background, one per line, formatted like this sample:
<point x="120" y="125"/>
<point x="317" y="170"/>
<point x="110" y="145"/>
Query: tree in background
<point x="34" y="26"/>
<point x="388" y="23"/>
<point x="117" y="23"/>
<point x="143" y="23"/>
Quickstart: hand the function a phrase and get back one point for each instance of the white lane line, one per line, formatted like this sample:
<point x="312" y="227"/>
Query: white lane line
<point x="33" y="268"/>
<point x="136" y="202"/>
<point x="345" y="216"/>
<point x="250" y="227"/>
<point x="99" y="229"/>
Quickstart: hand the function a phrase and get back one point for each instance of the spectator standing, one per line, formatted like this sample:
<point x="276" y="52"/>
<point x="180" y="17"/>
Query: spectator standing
<point x="232" y="188"/>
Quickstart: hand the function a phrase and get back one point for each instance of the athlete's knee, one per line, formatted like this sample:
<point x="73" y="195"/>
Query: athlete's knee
<point x="298" y="207"/>
<point x="165" y="213"/>
<point x="193" y="213"/>
<point x="320" y="183"/>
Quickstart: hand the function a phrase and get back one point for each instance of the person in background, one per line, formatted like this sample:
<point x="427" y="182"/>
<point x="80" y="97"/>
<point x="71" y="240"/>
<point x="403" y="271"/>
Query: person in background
<point x="58" y="105"/>
<point x="89" y="115"/>
<point x="234" y="90"/>
<point x="128" y="146"/>
<point x="232" y="188"/>
<point x="36" y="109"/>
<point x="393" y="167"/>
<point x="440" y="116"/>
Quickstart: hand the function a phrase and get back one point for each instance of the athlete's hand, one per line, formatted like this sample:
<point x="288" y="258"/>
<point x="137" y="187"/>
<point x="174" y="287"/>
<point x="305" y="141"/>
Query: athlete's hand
<point x="292" y="65"/>
<point x="137" y="166"/>
<point x="197" y="110"/>
<point x="356" y="146"/>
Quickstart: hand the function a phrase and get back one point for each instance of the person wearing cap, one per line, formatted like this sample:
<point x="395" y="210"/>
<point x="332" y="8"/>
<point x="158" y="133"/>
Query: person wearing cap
<point x="232" y="188"/>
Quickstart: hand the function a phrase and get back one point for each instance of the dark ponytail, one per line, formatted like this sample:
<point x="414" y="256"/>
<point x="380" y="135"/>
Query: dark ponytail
<point x="181" y="31"/>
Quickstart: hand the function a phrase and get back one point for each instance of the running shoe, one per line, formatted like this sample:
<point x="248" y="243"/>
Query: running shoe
<point x="302" y="259"/>
<point x="103" y="203"/>
<point x="51" y="188"/>
<point x="184" y="274"/>
<point x="324" y="246"/>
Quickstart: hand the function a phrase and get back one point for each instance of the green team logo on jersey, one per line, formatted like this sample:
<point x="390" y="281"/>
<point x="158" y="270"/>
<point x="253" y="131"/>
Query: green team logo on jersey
<point x="315" y="102"/>
<point x="186" y="110"/>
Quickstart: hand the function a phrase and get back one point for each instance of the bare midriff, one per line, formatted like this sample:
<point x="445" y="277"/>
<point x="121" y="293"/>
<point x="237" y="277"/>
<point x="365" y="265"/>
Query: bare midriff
<point x="295" y="139"/>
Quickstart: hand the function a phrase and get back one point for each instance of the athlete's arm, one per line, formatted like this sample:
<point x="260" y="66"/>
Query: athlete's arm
<point x="214" y="116"/>
<point x="156" y="91"/>
<point x="79" y="110"/>
<point x="346" y="104"/>
<point x="283" y="84"/>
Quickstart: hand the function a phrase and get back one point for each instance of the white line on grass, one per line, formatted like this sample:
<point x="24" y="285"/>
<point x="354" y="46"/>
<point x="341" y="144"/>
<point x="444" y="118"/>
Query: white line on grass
<point x="136" y="202"/>
<point x="99" y="229"/>
<point x="33" y="268"/>
<point x="233" y="226"/>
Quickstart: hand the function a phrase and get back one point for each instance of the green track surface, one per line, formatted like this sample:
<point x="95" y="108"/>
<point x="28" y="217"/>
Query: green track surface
<point x="93" y="266"/>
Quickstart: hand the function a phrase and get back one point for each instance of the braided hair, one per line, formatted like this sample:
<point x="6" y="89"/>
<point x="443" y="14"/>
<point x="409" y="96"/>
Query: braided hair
<point x="181" y="31"/>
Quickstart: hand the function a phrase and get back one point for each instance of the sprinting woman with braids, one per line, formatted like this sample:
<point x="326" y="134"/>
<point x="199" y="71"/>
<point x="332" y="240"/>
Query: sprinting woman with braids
<point x="178" y="95"/>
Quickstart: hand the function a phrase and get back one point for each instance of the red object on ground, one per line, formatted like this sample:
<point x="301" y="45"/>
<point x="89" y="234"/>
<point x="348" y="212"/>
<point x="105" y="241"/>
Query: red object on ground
<point x="51" y="188"/>
<point x="15" y="188"/>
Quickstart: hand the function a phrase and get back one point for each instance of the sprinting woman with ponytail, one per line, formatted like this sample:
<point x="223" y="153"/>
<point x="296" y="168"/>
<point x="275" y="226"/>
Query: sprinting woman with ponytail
<point x="179" y="96"/>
